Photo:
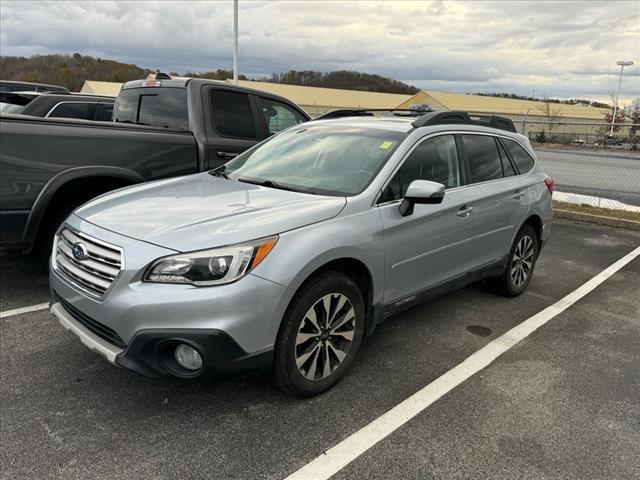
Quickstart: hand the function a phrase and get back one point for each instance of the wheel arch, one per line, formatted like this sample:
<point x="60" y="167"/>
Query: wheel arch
<point x="536" y="223"/>
<point x="96" y="179"/>
<point x="356" y="269"/>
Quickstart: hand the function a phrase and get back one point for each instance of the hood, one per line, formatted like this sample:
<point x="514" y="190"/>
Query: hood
<point x="202" y="211"/>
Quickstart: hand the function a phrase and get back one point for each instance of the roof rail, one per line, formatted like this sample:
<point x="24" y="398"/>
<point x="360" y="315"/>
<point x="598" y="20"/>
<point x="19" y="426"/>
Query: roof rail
<point x="369" y="112"/>
<point x="458" y="117"/>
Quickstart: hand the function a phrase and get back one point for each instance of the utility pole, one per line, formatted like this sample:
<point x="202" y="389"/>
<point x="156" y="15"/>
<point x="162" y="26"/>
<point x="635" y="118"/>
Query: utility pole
<point x="235" y="42"/>
<point x="622" y="64"/>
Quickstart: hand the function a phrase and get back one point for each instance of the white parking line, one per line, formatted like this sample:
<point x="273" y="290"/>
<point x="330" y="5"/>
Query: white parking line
<point x="336" y="458"/>
<point x="21" y="310"/>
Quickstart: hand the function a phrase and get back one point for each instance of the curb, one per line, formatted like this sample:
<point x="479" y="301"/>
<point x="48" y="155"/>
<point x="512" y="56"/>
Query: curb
<point x="597" y="219"/>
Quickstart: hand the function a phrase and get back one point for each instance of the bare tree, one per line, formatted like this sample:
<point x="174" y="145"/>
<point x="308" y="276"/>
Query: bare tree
<point x="635" y="119"/>
<point x="550" y="112"/>
<point x="608" y="116"/>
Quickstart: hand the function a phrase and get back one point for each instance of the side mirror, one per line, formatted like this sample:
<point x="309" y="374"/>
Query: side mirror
<point x="421" y="191"/>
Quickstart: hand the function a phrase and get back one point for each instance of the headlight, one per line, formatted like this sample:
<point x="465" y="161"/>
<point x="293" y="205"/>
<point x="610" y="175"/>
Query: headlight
<point x="210" y="267"/>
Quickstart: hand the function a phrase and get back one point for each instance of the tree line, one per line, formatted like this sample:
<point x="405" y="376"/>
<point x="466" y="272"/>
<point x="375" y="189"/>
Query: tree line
<point x="68" y="70"/>
<point x="344" y="79"/>
<point x="72" y="70"/>
<point x="568" y="101"/>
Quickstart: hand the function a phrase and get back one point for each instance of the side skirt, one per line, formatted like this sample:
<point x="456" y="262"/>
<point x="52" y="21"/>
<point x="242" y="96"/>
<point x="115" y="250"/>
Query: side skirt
<point x="456" y="283"/>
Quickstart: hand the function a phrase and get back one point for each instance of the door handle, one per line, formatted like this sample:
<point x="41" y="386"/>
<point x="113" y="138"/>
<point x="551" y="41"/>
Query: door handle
<point x="226" y="154"/>
<point x="464" y="211"/>
<point x="519" y="194"/>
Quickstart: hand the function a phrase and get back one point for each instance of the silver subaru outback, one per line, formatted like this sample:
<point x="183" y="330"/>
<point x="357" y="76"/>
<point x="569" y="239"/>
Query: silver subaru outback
<point x="287" y="256"/>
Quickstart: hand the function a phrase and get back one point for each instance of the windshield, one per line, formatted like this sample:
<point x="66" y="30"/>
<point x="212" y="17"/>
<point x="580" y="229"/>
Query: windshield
<point x="330" y="160"/>
<point x="163" y="107"/>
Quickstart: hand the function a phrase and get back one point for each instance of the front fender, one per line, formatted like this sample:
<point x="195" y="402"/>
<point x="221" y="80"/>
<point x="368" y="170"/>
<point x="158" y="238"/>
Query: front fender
<point x="301" y="252"/>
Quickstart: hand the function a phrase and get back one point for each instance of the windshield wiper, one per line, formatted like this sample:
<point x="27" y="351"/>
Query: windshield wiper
<point x="274" y="184"/>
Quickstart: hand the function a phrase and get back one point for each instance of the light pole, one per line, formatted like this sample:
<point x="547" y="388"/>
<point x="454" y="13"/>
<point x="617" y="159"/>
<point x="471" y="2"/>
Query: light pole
<point x="622" y="63"/>
<point x="235" y="42"/>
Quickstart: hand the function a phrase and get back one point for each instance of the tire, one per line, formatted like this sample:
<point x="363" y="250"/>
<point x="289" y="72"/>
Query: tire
<point x="309" y="357"/>
<point x="519" y="271"/>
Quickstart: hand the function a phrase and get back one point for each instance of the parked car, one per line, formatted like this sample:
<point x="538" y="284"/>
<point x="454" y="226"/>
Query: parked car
<point x="609" y="141"/>
<point x="82" y="107"/>
<point x="287" y="255"/>
<point x="161" y="128"/>
<point x="13" y="102"/>
<point x="17" y="86"/>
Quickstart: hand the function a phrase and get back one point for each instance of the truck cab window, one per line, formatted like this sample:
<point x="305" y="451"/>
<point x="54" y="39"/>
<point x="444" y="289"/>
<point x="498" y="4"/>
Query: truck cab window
<point x="232" y="115"/>
<point x="163" y="107"/>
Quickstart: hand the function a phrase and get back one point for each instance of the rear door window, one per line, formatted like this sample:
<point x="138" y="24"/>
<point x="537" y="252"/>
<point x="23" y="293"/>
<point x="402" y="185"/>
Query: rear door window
<point x="232" y="115"/>
<point x="83" y="111"/>
<point x="522" y="159"/>
<point x="483" y="158"/>
<point x="279" y="116"/>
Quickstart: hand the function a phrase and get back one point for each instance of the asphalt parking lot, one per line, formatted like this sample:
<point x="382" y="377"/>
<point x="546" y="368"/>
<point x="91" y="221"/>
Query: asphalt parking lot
<point x="563" y="403"/>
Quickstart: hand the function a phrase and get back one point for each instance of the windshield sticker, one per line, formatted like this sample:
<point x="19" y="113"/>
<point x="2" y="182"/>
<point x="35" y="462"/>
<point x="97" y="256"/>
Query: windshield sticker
<point x="386" y="145"/>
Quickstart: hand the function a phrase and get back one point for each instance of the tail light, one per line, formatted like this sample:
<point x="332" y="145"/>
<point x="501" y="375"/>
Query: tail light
<point x="550" y="184"/>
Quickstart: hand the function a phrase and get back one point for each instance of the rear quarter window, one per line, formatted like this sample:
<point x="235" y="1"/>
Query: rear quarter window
<point x="520" y="156"/>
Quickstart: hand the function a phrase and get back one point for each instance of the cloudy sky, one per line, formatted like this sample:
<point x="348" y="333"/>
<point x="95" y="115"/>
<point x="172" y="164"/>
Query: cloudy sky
<point x="563" y="49"/>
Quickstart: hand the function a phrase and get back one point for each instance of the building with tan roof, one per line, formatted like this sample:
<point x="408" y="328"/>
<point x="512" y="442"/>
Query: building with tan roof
<point x="513" y="108"/>
<point x="95" y="87"/>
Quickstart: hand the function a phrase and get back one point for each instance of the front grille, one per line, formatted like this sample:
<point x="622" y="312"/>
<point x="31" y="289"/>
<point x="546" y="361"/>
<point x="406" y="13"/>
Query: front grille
<point x="95" y="273"/>
<point x="89" y="323"/>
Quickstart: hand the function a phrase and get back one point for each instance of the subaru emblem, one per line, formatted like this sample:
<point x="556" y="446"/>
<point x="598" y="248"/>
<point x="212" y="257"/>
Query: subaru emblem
<point x="79" y="251"/>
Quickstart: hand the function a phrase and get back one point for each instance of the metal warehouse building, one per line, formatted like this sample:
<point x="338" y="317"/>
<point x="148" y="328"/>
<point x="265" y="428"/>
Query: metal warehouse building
<point x="314" y="100"/>
<point x="513" y="108"/>
<point x="94" y="87"/>
<point x="531" y="117"/>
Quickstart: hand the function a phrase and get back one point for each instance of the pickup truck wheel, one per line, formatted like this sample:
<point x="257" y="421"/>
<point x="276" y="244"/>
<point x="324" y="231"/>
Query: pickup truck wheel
<point x="522" y="260"/>
<point x="319" y="336"/>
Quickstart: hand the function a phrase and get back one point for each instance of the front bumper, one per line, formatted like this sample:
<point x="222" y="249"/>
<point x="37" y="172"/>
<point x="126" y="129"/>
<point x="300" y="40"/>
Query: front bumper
<point x="150" y="353"/>
<point x="233" y="326"/>
<point x="86" y="336"/>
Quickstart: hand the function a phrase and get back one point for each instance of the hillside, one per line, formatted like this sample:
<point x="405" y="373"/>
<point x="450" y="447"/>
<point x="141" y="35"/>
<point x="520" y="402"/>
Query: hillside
<point x="68" y="70"/>
<point x="72" y="70"/>
<point x="344" y="79"/>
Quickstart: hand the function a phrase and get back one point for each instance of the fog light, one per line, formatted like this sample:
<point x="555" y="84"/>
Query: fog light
<point x="188" y="357"/>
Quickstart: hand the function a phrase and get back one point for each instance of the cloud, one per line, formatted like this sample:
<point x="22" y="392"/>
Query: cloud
<point x="562" y="49"/>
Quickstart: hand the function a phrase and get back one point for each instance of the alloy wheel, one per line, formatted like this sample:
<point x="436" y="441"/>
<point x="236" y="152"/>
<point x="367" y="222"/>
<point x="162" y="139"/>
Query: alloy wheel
<point x="522" y="261"/>
<point x="325" y="336"/>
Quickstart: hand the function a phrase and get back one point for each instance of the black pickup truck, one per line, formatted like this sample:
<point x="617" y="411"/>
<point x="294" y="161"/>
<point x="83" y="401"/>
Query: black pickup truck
<point x="160" y="128"/>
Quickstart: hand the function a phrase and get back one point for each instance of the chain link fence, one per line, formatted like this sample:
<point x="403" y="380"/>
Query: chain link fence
<point x="593" y="170"/>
